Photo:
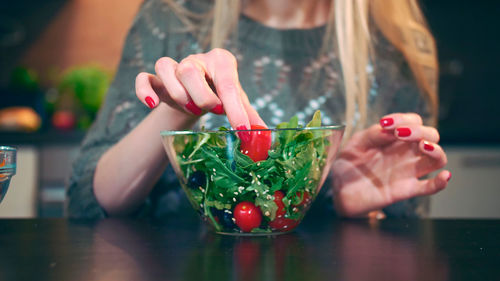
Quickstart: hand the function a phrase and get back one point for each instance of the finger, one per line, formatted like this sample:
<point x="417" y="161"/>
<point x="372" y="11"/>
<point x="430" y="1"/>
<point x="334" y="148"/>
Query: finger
<point x="149" y="89"/>
<point x="374" y="136"/>
<point x="416" y="133"/>
<point x="391" y="121"/>
<point x="165" y="69"/>
<point x="253" y="115"/>
<point x="191" y="73"/>
<point x="222" y="69"/>
<point x="433" y="185"/>
<point x="421" y="187"/>
<point x="434" y="158"/>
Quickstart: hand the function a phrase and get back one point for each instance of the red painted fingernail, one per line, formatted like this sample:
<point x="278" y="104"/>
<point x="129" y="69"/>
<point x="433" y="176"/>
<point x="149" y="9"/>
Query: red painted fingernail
<point x="449" y="177"/>
<point x="428" y="146"/>
<point x="150" y="102"/>
<point x="386" y="122"/>
<point x="403" y="132"/>
<point x="191" y="106"/>
<point x="244" y="136"/>
<point x="218" y="109"/>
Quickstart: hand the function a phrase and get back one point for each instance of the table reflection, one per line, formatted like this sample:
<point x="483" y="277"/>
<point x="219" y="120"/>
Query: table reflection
<point x="349" y="250"/>
<point x="282" y="257"/>
<point x="361" y="250"/>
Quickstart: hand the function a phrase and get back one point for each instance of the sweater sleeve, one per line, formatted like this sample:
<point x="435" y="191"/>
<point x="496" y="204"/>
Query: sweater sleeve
<point x="121" y="111"/>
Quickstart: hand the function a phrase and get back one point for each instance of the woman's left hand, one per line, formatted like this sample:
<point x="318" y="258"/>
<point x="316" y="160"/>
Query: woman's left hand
<point x="383" y="164"/>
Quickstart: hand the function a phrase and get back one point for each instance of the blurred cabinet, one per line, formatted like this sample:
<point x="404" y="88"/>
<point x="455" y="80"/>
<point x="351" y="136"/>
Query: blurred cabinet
<point x="55" y="168"/>
<point x="474" y="190"/>
<point x="44" y="164"/>
<point x="21" y="198"/>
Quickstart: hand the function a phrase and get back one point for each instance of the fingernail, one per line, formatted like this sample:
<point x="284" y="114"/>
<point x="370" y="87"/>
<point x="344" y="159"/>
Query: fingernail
<point x="191" y="106"/>
<point x="449" y="177"/>
<point x="386" y="122"/>
<point x="244" y="136"/>
<point x="150" y="102"/>
<point x="218" y="109"/>
<point x="403" y="132"/>
<point x="428" y="146"/>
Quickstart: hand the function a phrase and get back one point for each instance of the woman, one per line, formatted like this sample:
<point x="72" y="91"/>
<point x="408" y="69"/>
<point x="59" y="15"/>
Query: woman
<point x="360" y="62"/>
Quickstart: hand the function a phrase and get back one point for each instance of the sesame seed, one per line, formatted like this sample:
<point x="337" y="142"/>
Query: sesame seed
<point x="214" y="170"/>
<point x="221" y="195"/>
<point x="267" y="213"/>
<point x="235" y="193"/>
<point x="233" y="219"/>
<point x="258" y="164"/>
<point x="305" y="178"/>
<point x="268" y="197"/>
<point x="289" y="154"/>
<point x="258" y="183"/>
<point x="258" y="176"/>
<point x="201" y="205"/>
<point x="295" y="209"/>
<point x="234" y="199"/>
<point x="246" y="151"/>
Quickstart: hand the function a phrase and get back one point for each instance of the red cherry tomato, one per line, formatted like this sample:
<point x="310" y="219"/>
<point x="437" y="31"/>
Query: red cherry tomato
<point x="283" y="224"/>
<point x="258" y="146"/>
<point x="278" y="199"/>
<point x="306" y="198"/>
<point x="247" y="216"/>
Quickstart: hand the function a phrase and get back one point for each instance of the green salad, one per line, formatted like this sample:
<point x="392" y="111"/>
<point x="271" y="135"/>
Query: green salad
<point x="264" y="184"/>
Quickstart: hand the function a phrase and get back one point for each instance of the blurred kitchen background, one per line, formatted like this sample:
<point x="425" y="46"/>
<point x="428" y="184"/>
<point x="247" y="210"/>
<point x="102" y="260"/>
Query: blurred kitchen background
<point x="57" y="58"/>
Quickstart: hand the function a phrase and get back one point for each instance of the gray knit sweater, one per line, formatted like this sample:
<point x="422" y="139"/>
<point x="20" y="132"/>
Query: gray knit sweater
<point x="275" y="68"/>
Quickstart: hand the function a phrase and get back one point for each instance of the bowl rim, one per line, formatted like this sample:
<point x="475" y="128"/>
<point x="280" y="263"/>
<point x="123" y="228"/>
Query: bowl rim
<point x="192" y="132"/>
<point x="7" y="148"/>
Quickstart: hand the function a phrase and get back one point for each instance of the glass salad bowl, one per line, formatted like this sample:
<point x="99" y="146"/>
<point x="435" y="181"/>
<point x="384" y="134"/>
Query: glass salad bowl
<point x="259" y="183"/>
<point x="7" y="168"/>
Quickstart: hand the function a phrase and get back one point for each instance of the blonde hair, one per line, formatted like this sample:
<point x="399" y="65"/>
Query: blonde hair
<point x="347" y="31"/>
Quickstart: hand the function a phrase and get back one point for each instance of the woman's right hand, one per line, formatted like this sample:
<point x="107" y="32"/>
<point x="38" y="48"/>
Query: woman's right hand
<point x="200" y="83"/>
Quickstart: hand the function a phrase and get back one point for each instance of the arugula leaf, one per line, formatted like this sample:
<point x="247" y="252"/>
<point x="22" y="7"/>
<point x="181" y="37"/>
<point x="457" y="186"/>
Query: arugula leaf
<point x="202" y="139"/>
<point x="241" y="159"/>
<point x="316" y="120"/>
<point x="267" y="206"/>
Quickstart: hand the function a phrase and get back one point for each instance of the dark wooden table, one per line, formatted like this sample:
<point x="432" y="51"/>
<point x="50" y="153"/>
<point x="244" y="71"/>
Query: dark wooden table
<point x="320" y="249"/>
